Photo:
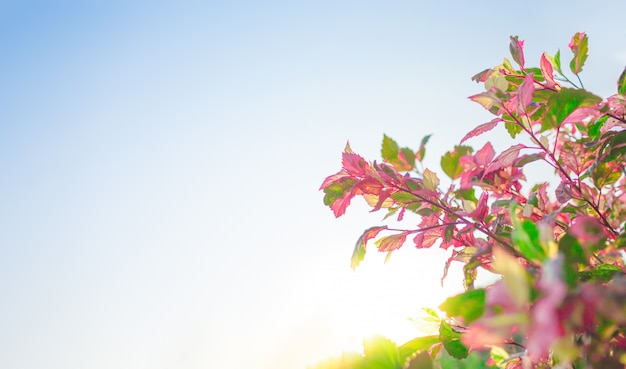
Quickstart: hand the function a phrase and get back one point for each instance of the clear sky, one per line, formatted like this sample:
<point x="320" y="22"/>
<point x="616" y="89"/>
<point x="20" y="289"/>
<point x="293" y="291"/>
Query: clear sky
<point x="160" y="165"/>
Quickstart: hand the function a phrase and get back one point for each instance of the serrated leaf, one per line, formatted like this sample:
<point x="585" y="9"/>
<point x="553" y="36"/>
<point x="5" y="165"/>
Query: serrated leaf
<point x="415" y="345"/>
<point x="381" y="353"/>
<point x="469" y="305"/>
<point x="338" y="195"/>
<point x="403" y="159"/>
<point x="606" y="173"/>
<point x="389" y="149"/>
<point x="431" y="182"/>
<point x="506" y="158"/>
<point x="452" y="341"/>
<point x="485" y="127"/>
<point x="421" y="360"/>
<point x="359" y="248"/>
<point x="564" y="102"/>
<point x="513" y="129"/>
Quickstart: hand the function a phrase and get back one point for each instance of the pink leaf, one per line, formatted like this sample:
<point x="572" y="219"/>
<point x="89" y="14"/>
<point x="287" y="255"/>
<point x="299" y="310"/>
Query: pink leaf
<point x="484" y="155"/>
<point x="426" y="239"/>
<point x="506" y="158"/>
<point x="546" y="323"/>
<point x="481" y="211"/>
<point x="581" y="114"/>
<point x="482" y="129"/>
<point x="339" y="206"/>
<point x="371" y="233"/>
<point x="547" y="71"/>
<point x="525" y="93"/>
<point x="333" y="178"/>
<point x="354" y="164"/>
<point x="576" y="40"/>
<point x="588" y="230"/>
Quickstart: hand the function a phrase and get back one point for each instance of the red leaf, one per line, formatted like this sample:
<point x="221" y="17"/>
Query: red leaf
<point x="392" y="242"/>
<point x="506" y="158"/>
<point x="481" y="211"/>
<point x="359" y="249"/>
<point x="354" y="164"/>
<point x="333" y="178"/>
<point x="525" y="93"/>
<point x="339" y="206"/>
<point x="481" y="129"/>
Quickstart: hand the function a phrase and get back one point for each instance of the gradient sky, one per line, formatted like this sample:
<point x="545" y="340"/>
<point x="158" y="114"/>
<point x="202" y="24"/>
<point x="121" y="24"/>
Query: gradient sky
<point x="160" y="162"/>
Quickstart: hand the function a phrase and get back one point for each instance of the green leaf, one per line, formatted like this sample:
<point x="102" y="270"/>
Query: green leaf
<point x="402" y="159"/>
<point x="580" y="48"/>
<point x="452" y="341"/>
<point x="359" y="249"/>
<point x="381" y="353"/>
<point x="419" y="155"/>
<point x="416" y="345"/>
<point x="616" y="144"/>
<point x="601" y="273"/>
<point x="469" y="305"/>
<point x="557" y="62"/>
<point x="390" y="149"/>
<point x="620" y="241"/>
<point x="431" y="182"/>
<point x="572" y="249"/>
<point x="450" y="161"/>
<point x="476" y="359"/>
<point x="337" y="190"/>
<point x="513" y="129"/>
<point x="468" y="194"/>
<point x="564" y="102"/>
<point x="593" y="129"/>
<point x="621" y="83"/>
<point x="526" y="237"/>
<point x="606" y="173"/>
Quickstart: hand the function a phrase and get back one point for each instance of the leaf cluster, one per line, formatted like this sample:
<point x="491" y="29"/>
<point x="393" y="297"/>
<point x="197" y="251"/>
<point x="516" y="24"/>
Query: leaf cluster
<point x="559" y="250"/>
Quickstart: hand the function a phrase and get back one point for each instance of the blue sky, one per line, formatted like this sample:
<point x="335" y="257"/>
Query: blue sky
<point x="160" y="163"/>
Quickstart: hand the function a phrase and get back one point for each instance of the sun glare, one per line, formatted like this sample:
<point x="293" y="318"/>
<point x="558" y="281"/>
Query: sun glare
<point x="345" y="306"/>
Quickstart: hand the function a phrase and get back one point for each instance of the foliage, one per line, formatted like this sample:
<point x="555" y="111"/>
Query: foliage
<point x="560" y="299"/>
